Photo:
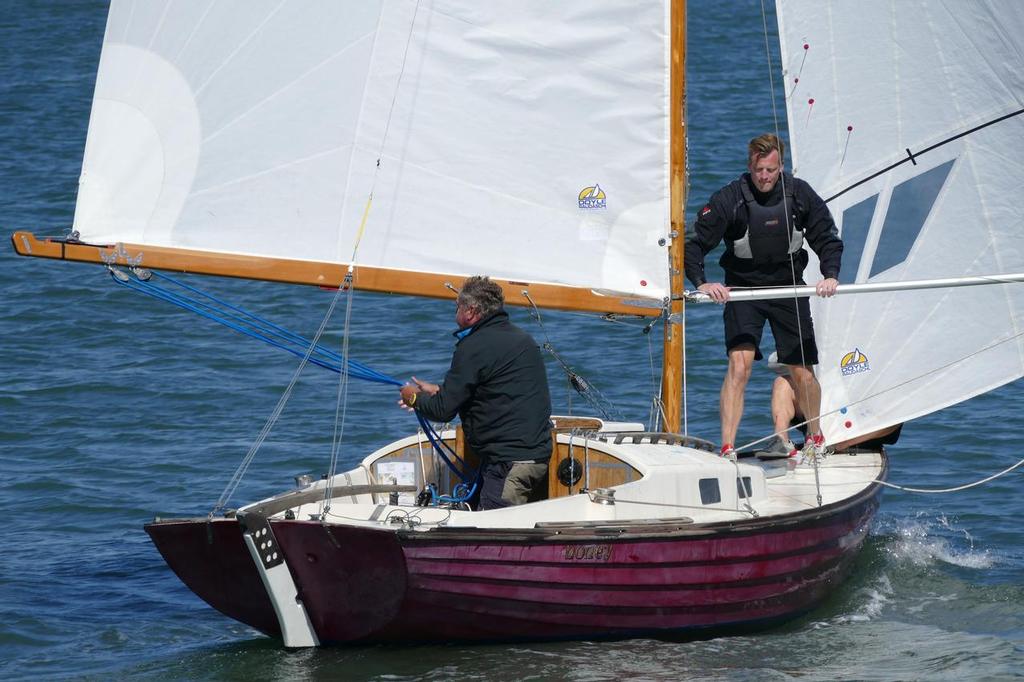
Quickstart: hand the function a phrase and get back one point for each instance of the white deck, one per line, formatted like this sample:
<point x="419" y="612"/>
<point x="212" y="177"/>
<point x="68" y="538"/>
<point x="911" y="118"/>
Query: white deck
<point x="669" y="488"/>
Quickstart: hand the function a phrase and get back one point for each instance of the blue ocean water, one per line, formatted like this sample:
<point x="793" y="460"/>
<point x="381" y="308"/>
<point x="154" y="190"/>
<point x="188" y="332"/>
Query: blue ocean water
<point x="116" y="409"/>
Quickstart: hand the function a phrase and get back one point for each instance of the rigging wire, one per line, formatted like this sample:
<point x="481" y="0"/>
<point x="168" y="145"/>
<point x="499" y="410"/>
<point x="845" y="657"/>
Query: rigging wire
<point x="656" y="412"/>
<point x="924" y="375"/>
<point x="686" y="410"/>
<point x="341" y="404"/>
<point x="655" y="398"/>
<point x="802" y="393"/>
<point x="384" y="137"/>
<point x="782" y="177"/>
<point x="243" y="467"/>
<point x="274" y="335"/>
<point x="585" y="388"/>
<point x="341" y="407"/>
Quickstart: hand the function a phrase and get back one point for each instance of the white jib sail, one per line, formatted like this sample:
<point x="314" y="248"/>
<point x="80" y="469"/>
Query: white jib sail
<point x="526" y="140"/>
<point x="938" y="86"/>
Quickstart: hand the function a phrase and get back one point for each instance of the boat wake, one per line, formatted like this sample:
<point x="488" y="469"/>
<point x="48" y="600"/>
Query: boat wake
<point x="896" y="566"/>
<point x="865" y="604"/>
<point x="926" y="541"/>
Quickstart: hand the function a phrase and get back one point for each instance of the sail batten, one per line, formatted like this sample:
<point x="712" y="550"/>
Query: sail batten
<point x="911" y="156"/>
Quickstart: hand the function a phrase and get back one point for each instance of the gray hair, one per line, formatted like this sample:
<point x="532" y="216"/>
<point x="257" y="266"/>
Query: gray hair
<point x="481" y="293"/>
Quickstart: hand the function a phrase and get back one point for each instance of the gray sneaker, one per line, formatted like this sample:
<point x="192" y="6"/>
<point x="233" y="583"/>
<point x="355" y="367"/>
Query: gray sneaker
<point x="778" y="448"/>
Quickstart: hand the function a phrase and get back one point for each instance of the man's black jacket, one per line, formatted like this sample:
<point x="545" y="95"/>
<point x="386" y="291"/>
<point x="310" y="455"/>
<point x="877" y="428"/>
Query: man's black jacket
<point x="498" y="386"/>
<point x="725" y="217"/>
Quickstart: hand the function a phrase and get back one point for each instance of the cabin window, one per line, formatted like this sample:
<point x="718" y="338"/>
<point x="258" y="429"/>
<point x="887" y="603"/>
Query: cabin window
<point x="744" y="488"/>
<point x="709" y="491"/>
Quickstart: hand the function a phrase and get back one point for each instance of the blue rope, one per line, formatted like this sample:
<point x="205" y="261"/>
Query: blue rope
<point x="274" y="335"/>
<point x="464" y="490"/>
<point x="441" y="446"/>
<point x="331" y="360"/>
<point x="281" y="331"/>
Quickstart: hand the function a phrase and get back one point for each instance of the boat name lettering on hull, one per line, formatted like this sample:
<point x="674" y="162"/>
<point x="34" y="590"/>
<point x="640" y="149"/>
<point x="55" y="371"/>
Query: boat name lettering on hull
<point x="588" y="552"/>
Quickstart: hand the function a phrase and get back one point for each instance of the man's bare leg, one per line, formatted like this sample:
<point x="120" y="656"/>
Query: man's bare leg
<point x="808" y="395"/>
<point x="784" y="405"/>
<point x="730" y="404"/>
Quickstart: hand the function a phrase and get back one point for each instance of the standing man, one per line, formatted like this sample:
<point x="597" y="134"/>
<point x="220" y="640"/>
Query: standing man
<point x="764" y="218"/>
<point x="498" y="386"/>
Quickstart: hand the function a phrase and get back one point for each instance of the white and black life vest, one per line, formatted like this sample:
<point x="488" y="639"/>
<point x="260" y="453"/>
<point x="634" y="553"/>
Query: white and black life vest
<point x="769" y="238"/>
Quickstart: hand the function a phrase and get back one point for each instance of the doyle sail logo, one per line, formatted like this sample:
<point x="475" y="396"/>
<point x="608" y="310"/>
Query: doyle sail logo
<point x="854" y="362"/>
<point x="593" y="199"/>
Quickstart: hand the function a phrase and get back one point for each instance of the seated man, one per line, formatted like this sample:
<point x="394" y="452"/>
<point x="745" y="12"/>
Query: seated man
<point x="786" y="413"/>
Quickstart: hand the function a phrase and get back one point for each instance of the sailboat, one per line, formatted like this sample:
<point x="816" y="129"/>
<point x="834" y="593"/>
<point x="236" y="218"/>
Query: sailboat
<point x="402" y="146"/>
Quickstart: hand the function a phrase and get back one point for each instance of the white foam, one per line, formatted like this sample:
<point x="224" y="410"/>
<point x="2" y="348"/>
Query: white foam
<point x="921" y="542"/>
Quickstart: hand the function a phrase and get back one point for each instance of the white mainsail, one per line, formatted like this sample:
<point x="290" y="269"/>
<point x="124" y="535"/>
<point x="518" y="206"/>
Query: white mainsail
<point x="938" y="86"/>
<point x="255" y="128"/>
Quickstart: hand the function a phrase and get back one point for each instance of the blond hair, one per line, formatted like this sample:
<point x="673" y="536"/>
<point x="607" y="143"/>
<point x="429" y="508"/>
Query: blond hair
<point x="763" y="145"/>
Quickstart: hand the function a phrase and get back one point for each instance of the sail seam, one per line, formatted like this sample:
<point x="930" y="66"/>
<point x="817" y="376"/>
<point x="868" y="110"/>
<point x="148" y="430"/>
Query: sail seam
<point x="284" y="88"/>
<point x="242" y="45"/>
<point x="576" y="58"/>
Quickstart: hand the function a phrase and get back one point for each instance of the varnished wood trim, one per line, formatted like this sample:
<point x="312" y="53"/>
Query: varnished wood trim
<point x="565" y="423"/>
<point x="325" y="274"/>
<point x="606" y="470"/>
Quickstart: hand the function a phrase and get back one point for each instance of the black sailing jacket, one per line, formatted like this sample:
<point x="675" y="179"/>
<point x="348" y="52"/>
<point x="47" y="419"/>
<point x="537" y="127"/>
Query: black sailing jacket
<point x="725" y="217"/>
<point x="498" y="386"/>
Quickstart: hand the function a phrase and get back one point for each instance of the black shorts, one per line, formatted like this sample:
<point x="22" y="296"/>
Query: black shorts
<point x="744" y="323"/>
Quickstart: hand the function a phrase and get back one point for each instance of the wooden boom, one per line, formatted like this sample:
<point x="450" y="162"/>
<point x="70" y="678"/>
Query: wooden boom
<point x="326" y="274"/>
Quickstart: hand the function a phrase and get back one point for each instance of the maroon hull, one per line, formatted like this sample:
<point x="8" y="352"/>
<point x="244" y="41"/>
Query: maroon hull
<point x="472" y="584"/>
<point x="210" y="557"/>
<point x="368" y="584"/>
<point x="360" y="577"/>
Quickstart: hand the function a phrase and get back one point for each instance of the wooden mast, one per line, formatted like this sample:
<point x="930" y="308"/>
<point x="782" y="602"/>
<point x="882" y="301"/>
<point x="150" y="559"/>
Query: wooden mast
<point x="672" y="362"/>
